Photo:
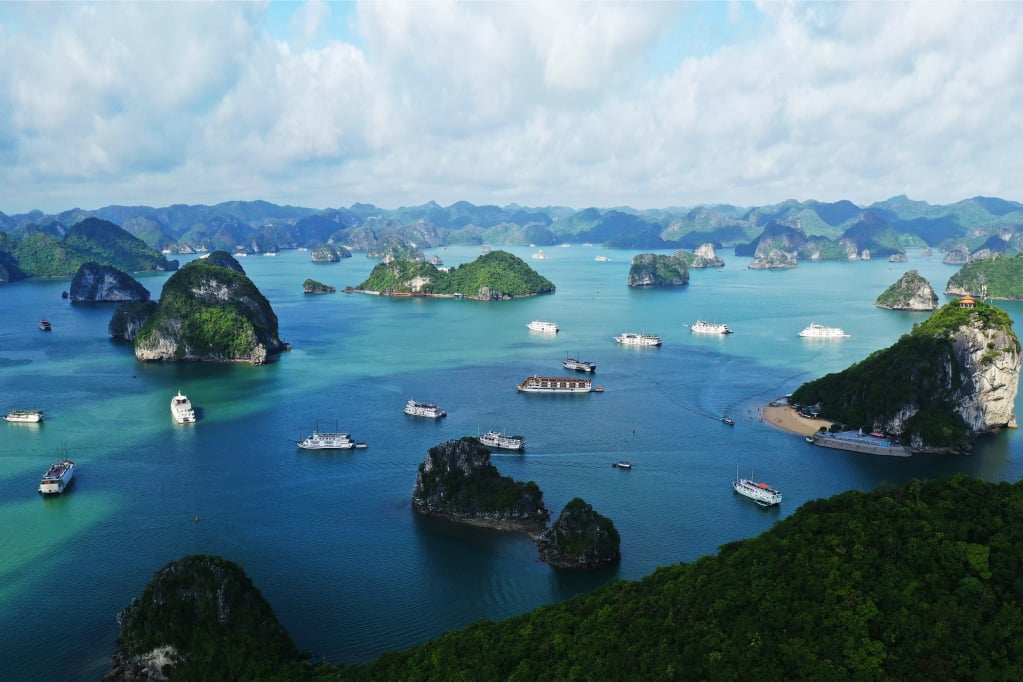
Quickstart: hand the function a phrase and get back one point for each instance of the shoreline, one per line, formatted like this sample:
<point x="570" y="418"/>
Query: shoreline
<point x="786" y="418"/>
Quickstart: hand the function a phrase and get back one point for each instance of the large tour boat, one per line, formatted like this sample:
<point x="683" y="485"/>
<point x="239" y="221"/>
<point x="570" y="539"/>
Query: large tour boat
<point x="631" y="339"/>
<point x="819" y="331"/>
<point x="701" y="327"/>
<point x="181" y="409"/>
<point x="329" y="441"/>
<point x="24" y="416"/>
<point x="496" y="439"/>
<point x="761" y="493"/>
<point x="538" y="384"/>
<point x="424" y="410"/>
<point x="540" y="326"/>
<point x="579" y="365"/>
<point x="57" y="477"/>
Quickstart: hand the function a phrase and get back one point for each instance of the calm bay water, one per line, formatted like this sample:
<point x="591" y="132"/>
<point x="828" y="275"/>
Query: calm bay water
<point x="330" y="539"/>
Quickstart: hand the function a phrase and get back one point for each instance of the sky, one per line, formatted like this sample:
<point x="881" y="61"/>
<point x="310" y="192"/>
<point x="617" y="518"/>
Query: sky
<point x="642" y="104"/>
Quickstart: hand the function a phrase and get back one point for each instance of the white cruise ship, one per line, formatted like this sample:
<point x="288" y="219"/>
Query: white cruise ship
<point x="24" y="416"/>
<point x="538" y="384"/>
<point x="761" y="493"/>
<point x="57" y="478"/>
<point x="701" y="327"/>
<point x="579" y="365"/>
<point x="631" y="339"/>
<point x="181" y="409"/>
<point x="539" y="326"/>
<point x="496" y="439"/>
<point x="819" y="331"/>
<point x="329" y="441"/>
<point x="424" y="410"/>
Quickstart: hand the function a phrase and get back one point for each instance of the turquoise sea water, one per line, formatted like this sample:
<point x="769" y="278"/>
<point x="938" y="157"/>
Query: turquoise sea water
<point x="330" y="538"/>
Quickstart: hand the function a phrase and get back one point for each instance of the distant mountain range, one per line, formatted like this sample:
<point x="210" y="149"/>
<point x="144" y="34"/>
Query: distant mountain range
<point x="805" y="230"/>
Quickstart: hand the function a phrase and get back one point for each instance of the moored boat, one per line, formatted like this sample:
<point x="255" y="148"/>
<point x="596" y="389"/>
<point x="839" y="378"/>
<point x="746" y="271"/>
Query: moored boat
<point x="540" y="326"/>
<point x="579" y="365"/>
<point x="622" y="465"/>
<point x="633" y="339"/>
<point x="329" y="441"/>
<point x="181" y="409"/>
<point x="45" y="325"/>
<point x="819" y="331"/>
<point x="761" y="493"/>
<point x="496" y="439"/>
<point x="538" y="384"/>
<point x="539" y="255"/>
<point x="430" y="410"/>
<point x="703" y="327"/>
<point x="728" y="420"/>
<point x="57" y="478"/>
<point x="602" y="259"/>
<point x="24" y="416"/>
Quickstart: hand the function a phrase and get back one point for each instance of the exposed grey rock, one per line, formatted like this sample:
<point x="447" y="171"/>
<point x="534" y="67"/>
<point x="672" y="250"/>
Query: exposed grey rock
<point x="911" y="292"/>
<point x="95" y="283"/>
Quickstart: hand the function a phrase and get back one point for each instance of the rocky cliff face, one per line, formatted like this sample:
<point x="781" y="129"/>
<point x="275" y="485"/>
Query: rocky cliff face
<point x="702" y="256"/>
<point x="129" y="318"/>
<point x="775" y="259"/>
<point x="580" y="539"/>
<point x="329" y="253"/>
<point x="911" y="292"/>
<point x="990" y="361"/>
<point x="457" y="482"/>
<point x="95" y="283"/>
<point x="654" y="270"/>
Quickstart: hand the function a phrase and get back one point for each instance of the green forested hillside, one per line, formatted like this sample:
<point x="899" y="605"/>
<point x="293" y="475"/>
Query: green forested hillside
<point x="499" y="272"/>
<point x="995" y="277"/>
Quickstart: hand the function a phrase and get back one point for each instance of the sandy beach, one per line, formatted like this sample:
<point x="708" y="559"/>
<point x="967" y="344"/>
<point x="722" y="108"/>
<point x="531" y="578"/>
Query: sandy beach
<point x="787" y="419"/>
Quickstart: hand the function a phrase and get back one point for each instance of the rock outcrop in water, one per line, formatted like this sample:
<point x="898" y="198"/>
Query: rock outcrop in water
<point x="580" y="539"/>
<point x="655" y="270"/>
<point x="703" y="256"/>
<point x="938" y="388"/>
<point x="911" y="292"/>
<point x="457" y="482"/>
<point x="311" y="286"/>
<point x="201" y="618"/>
<point x="95" y="283"/>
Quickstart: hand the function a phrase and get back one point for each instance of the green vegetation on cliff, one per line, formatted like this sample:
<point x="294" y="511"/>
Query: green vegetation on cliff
<point x="650" y="269"/>
<point x="497" y="274"/>
<point x="1001" y="275"/>
<point x="919" y="369"/>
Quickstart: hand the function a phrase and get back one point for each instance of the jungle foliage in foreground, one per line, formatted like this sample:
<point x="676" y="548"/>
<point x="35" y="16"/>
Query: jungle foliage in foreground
<point x="498" y="272"/>
<point x="918" y="581"/>
<point x="918" y="369"/>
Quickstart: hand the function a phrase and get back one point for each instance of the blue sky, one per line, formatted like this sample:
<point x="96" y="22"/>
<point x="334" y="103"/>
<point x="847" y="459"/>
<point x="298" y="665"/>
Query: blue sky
<point x="581" y="104"/>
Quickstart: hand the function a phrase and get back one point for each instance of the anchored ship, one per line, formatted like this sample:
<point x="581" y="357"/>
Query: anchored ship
<point x="761" y="493"/>
<point x="538" y="384"/>
<point x="57" y="477"/>
<point x="819" y="331"/>
<point x="495" y="439"/>
<point x="538" y="326"/>
<point x="24" y="416"/>
<point x="329" y="441"/>
<point x="181" y="409"/>
<point x="632" y="339"/>
<point x="424" y="410"/>
<point x="701" y="327"/>
<point x="579" y="365"/>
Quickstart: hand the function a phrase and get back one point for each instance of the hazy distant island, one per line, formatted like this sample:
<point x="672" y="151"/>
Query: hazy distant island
<point x="996" y="276"/>
<point x="209" y="311"/>
<point x="329" y="253"/>
<point x="893" y="606"/>
<point x="911" y="292"/>
<point x="951" y="379"/>
<point x="494" y="276"/>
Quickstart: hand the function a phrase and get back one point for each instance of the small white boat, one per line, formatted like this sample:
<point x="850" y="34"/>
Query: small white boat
<point x="545" y="327"/>
<point x="329" y="441"/>
<point x="602" y="259"/>
<point x="181" y="409"/>
<point x="496" y="439"/>
<point x="701" y="327"/>
<point x="24" y="416"/>
<point x="622" y="465"/>
<point x="539" y="254"/>
<point x="430" y="410"/>
<point x="633" y="339"/>
<point x="727" y="420"/>
<point x="57" y="478"/>
<point x="761" y="493"/>
<point x="819" y="331"/>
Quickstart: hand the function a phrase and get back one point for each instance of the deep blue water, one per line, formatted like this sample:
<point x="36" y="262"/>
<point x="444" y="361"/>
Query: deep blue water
<point x="330" y="538"/>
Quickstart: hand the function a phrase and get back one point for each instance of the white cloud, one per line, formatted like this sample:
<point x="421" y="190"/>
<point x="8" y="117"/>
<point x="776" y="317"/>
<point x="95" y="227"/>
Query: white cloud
<point x="162" y="103"/>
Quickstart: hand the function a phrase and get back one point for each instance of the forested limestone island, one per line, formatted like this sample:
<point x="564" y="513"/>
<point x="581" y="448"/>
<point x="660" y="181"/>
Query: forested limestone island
<point x="911" y="292"/>
<point x="329" y="253"/>
<point x="209" y="311"/>
<point x="457" y="482"/>
<point x="997" y="276"/>
<point x="54" y="251"/>
<point x="494" y="276"/>
<point x="939" y="387"/>
<point x="95" y="283"/>
<point x="656" y="270"/>
<point x="703" y="256"/>
<point x="311" y="286"/>
<point x="822" y="595"/>
<point x="580" y="539"/>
